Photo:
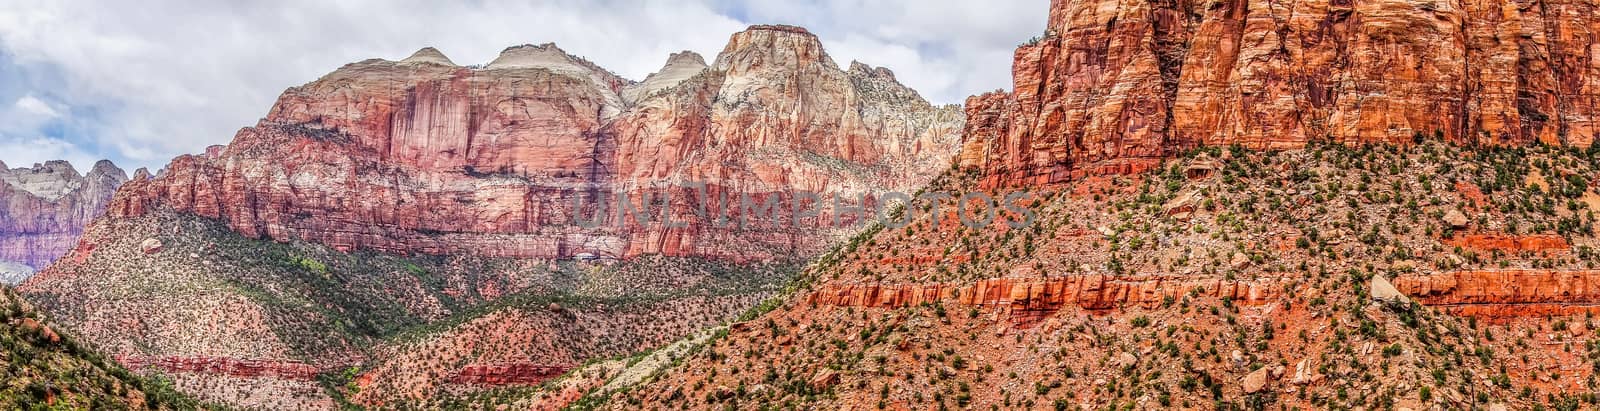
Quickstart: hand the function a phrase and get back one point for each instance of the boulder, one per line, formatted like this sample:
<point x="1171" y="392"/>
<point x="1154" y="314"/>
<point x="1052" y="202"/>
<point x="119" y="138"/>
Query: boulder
<point x="824" y="379"/>
<point x="150" y="246"/>
<point x="1239" y="260"/>
<point x="1182" y="206"/>
<point x="1382" y="290"/>
<point x="1255" y="381"/>
<point x="1202" y="167"/>
<point x="1456" y="219"/>
<point x="1304" y="373"/>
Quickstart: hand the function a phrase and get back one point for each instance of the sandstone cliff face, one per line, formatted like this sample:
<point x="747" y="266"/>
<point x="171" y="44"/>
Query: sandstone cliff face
<point x="423" y="156"/>
<point x="1113" y="85"/>
<point x="43" y="210"/>
<point x="774" y="114"/>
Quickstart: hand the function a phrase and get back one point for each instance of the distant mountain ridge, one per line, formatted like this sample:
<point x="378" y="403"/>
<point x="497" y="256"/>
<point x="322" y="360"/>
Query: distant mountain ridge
<point x="44" y="208"/>
<point x="423" y="156"/>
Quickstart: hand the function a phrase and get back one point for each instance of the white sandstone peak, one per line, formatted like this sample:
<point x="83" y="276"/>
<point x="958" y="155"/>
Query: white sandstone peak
<point x="680" y="66"/>
<point x="428" y="55"/>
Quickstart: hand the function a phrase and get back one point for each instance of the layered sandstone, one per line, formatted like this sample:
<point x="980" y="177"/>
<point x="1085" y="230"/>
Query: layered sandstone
<point x="1505" y="294"/>
<point x="43" y="210"/>
<point x="423" y="156"/>
<point x="1113" y="85"/>
<point x="1025" y="300"/>
<point x="1542" y="243"/>
<point x="507" y="374"/>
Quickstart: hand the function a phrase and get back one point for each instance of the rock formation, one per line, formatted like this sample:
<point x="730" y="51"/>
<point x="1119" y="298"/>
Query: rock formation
<point x="1110" y="86"/>
<point x="43" y="210"/>
<point x="1544" y="243"/>
<point x="1092" y="292"/>
<point x="507" y="374"/>
<point x="1505" y="294"/>
<point x="1228" y="266"/>
<point x="1025" y="300"/>
<point x="422" y="156"/>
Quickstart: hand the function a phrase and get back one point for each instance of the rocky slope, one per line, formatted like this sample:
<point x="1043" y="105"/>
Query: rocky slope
<point x="1384" y="230"/>
<point x="1113" y="86"/>
<point x="1324" y="277"/>
<point x="43" y="209"/>
<point x="46" y="369"/>
<point x="398" y="230"/>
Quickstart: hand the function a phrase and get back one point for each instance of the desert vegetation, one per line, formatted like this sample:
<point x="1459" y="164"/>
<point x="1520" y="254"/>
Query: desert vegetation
<point x="1323" y="226"/>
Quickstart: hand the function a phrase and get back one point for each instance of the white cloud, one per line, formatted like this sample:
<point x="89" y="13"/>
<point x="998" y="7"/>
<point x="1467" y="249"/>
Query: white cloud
<point x="32" y="105"/>
<point x="21" y="143"/>
<point x="143" y="81"/>
<point x="25" y="152"/>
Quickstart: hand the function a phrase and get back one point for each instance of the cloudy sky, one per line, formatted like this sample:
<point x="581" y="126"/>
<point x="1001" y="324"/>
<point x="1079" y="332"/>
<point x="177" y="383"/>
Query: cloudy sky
<point x="139" y="82"/>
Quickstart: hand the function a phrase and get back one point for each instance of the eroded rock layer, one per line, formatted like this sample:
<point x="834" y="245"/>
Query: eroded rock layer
<point x="1025" y="300"/>
<point x="1092" y="292"/>
<point x="1125" y="82"/>
<point x="1505" y="294"/>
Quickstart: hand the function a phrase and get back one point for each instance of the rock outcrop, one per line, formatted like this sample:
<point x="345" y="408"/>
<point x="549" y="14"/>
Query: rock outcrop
<point x="680" y="66"/>
<point x="1382" y="290"/>
<point x="508" y="374"/>
<point x="1110" y="86"/>
<point x="1025" y="300"/>
<point x="1090" y="292"/>
<point x="43" y="210"/>
<point x="1542" y="243"/>
<point x="423" y="156"/>
<point x="1505" y="294"/>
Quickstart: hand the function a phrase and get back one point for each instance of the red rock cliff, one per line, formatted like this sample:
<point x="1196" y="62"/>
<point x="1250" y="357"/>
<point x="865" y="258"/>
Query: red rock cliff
<point x="1504" y="294"/>
<point x="1116" y="84"/>
<point x="423" y="156"/>
<point x="43" y="210"/>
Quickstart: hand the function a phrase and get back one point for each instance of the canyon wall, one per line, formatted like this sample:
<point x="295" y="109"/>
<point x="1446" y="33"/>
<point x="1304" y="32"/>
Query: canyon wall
<point x="424" y="156"/>
<point x="43" y="210"/>
<point x="1110" y="86"/>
